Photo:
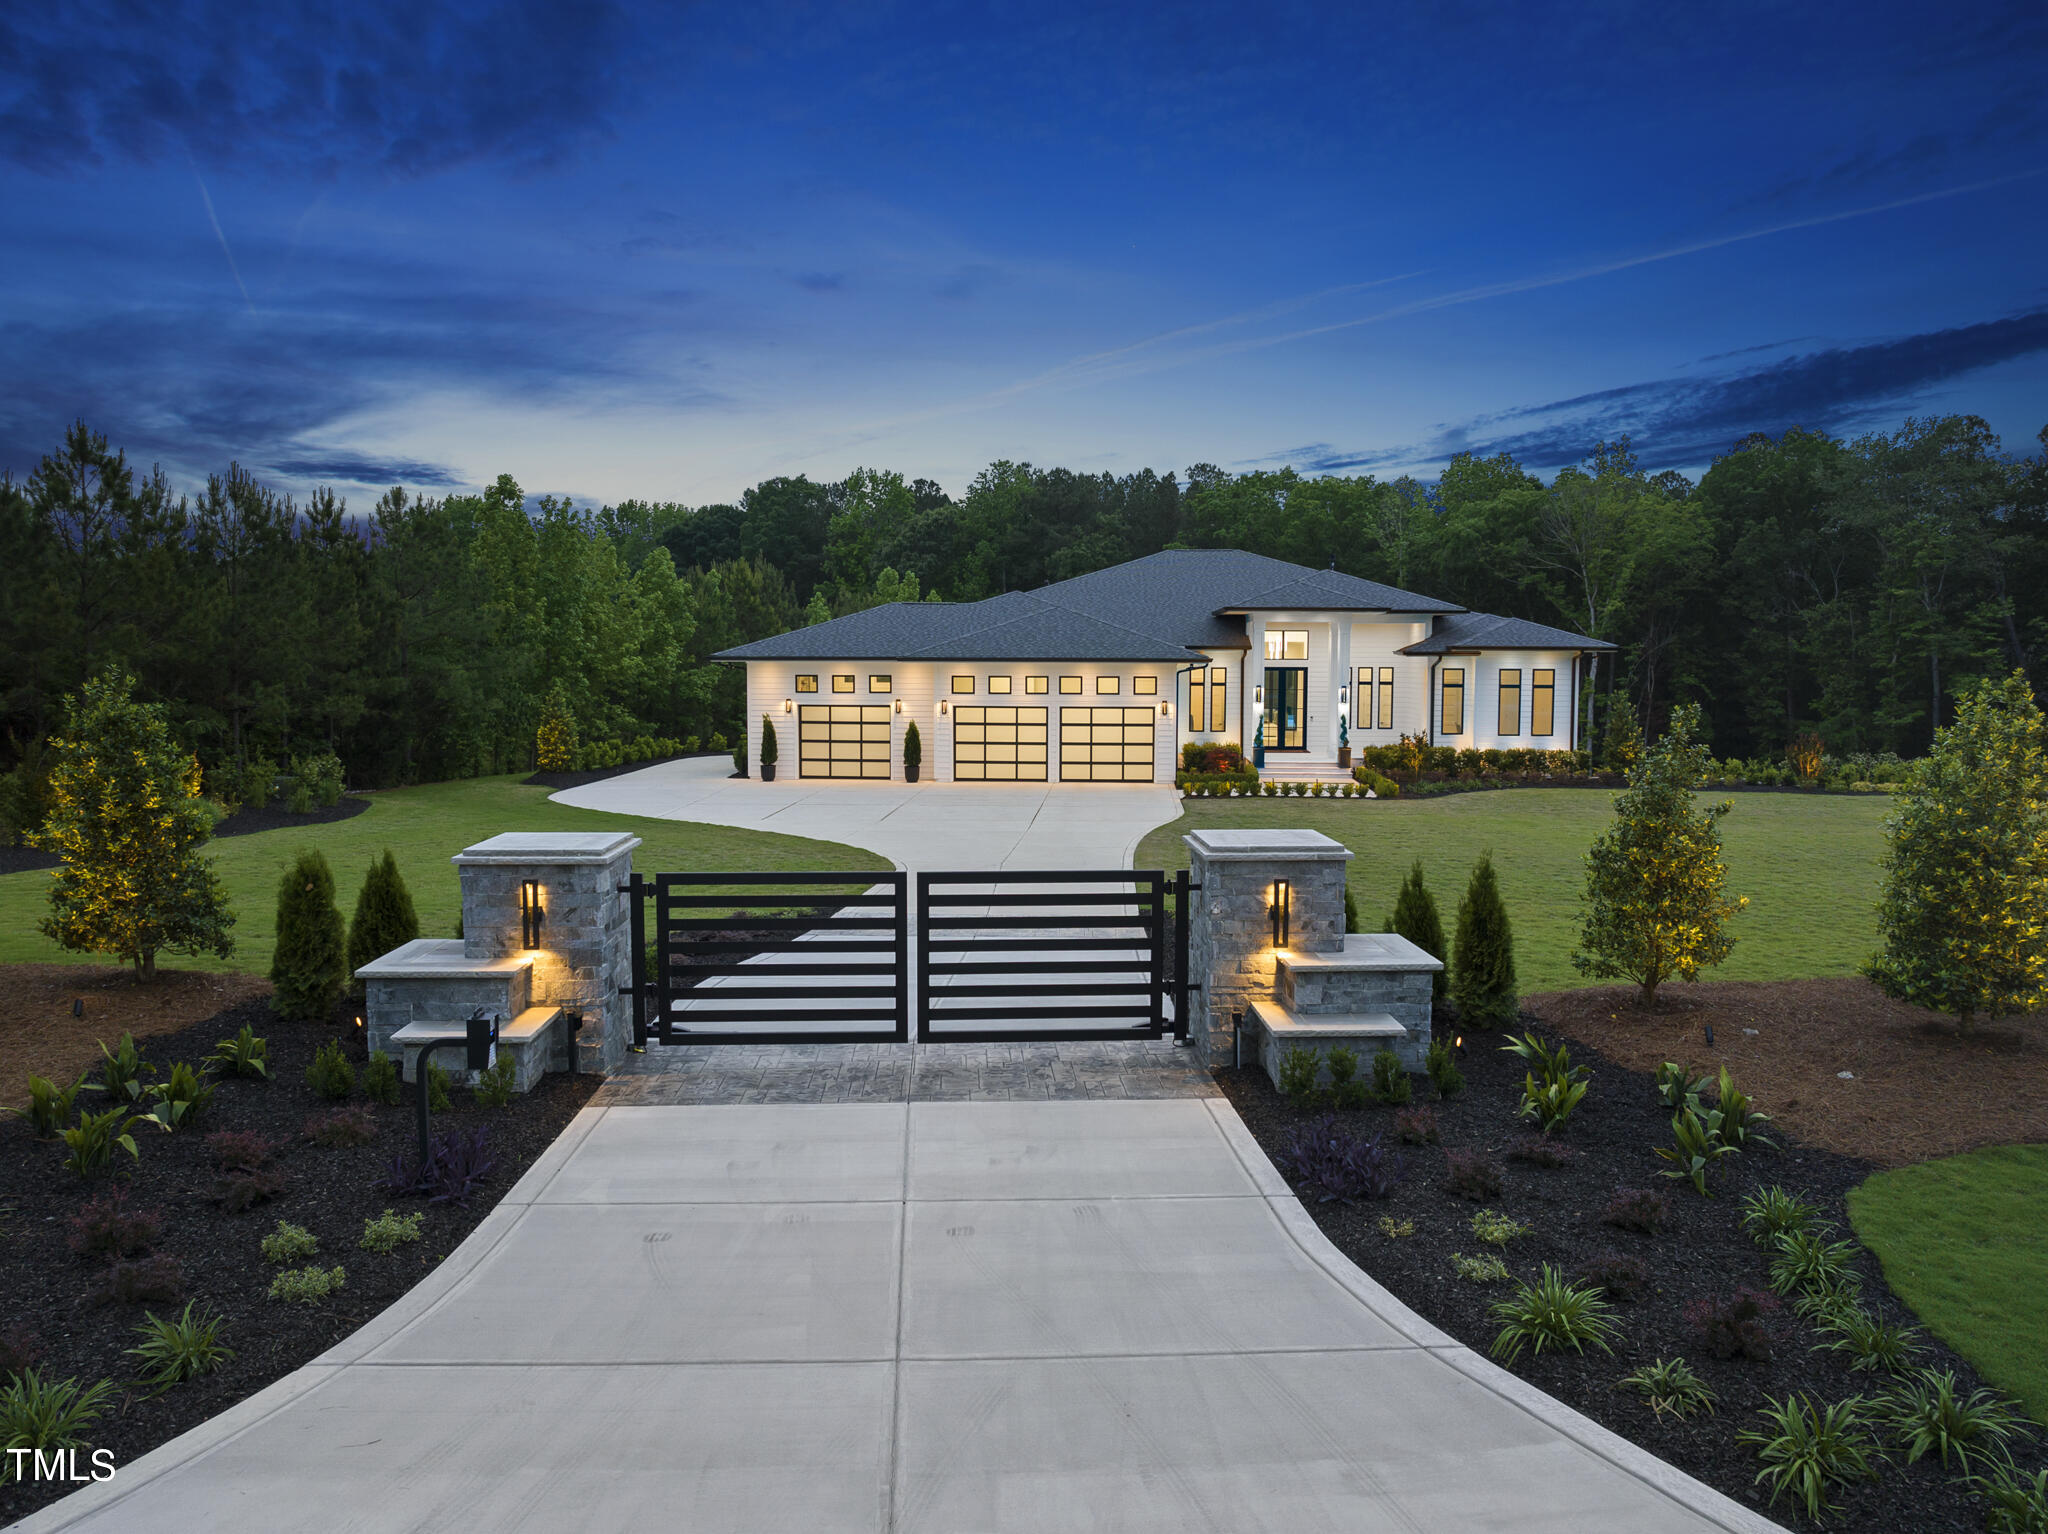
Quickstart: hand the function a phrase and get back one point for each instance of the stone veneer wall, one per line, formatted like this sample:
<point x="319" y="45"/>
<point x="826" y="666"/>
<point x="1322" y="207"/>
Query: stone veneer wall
<point x="585" y="955"/>
<point x="1230" y="934"/>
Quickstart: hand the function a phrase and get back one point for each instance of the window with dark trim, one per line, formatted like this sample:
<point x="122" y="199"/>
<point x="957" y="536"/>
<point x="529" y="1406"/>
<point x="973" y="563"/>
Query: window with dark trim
<point x="964" y="684"/>
<point x="1286" y="644"/>
<point x="1109" y="684"/>
<point x="807" y="681"/>
<point x="1543" y="702"/>
<point x="1219" y="692"/>
<point x="999" y="685"/>
<point x="1510" y="700"/>
<point x="1386" y="697"/>
<point x="878" y="683"/>
<point x="1453" y="720"/>
<point x="1070" y="684"/>
<point x="1198" y="699"/>
<point x="842" y="684"/>
<point x="1034" y="684"/>
<point x="1145" y="686"/>
<point x="1362" y="708"/>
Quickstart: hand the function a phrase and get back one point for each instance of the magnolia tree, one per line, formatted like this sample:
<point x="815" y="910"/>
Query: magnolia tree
<point x="1963" y="917"/>
<point x="1656" y="897"/>
<point x="126" y="817"/>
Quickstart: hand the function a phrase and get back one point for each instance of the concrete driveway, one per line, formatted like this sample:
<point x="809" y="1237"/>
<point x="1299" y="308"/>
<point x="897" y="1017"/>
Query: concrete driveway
<point x="932" y="1317"/>
<point x="917" y="826"/>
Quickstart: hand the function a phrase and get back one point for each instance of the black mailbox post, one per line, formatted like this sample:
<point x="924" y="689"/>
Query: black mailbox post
<point x="480" y="1053"/>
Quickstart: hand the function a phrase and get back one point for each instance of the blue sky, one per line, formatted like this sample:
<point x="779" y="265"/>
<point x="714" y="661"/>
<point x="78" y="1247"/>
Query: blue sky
<point x="671" y="251"/>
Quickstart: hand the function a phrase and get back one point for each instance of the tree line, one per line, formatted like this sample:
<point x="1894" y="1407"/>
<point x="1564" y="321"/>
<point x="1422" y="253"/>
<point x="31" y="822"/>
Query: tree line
<point x="1804" y="584"/>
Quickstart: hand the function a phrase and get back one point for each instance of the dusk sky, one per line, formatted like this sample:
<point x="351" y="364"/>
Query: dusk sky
<point x="670" y="252"/>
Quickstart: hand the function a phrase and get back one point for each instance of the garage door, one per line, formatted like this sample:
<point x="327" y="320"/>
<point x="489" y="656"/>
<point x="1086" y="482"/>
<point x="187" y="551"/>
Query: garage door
<point x="1106" y="745"/>
<point x="842" y="740"/>
<point x="998" y="745"/>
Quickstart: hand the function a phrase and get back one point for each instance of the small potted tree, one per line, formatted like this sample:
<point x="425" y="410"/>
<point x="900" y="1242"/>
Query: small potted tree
<point x="769" y="751"/>
<point x="1343" y="742"/>
<point x="913" y="752"/>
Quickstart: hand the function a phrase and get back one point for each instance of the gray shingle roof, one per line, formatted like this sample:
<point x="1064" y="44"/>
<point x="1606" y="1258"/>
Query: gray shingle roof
<point x="1485" y="631"/>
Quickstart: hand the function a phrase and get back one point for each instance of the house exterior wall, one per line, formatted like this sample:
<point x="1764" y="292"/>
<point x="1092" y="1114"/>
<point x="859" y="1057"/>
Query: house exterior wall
<point x="1482" y="700"/>
<point x="1376" y="643"/>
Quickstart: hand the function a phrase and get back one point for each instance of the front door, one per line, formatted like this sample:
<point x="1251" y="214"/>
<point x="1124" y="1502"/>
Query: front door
<point x="1285" y="725"/>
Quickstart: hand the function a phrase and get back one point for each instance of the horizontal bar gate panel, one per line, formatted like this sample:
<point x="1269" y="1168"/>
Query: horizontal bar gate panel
<point x="772" y="958"/>
<point x="1084" y="960"/>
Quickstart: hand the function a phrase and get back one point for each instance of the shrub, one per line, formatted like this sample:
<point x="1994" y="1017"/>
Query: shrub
<point x="1538" y="1151"/>
<point x="1350" y="911"/>
<point x="1299" y="1068"/>
<point x="1482" y="981"/>
<point x="1671" y="1386"/>
<point x="719" y="742"/>
<point x="53" y="1415"/>
<point x="1486" y="1268"/>
<point x="175" y="1351"/>
<point x="309" y="967"/>
<point x="1396" y="1230"/>
<point x="19" y="1352"/>
<point x="1810" y="1448"/>
<point x="456" y="1163"/>
<point x="242" y="1055"/>
<point x="554" y="742"/>
<point x="1342" y="1063"/>
<point x="1870" y="1343"/>
<point x="259" y="782"/>
<point x="1390" y="1082"/>
<point x="49" y="1105"/>
<point x="380" y="1079"/>
<point x="1643" y="1209"/>
<point x="1442" y="1065"/>
<point x="307" y="1286"/>
<point x="330" y="1074"/>
<point x="123" y="1071"/>
<point x="1677" y="1086"/>
<point x="354" y="1125"/>
<point x="438" y="1100"/>
<point x="1553" y="1090"/>
<point x="180" y="1099"/>
<point x="137" y="1281"/>
<point x="1737" y="1327"/>
<point x="1339" y="1163"/>
<point x="89" y="1144"/>
<point x="1771" y="1212"/>
<point x="1416" y="1126"/>
<point x="1807" y="1260"/>
<point x="107" y="1227"/>
<point x="389" y="1231"/>
<point x="771" y="753"/>
<point x="1928" y="1416"/>
<point x="1415" y="918"/>
<point x="913" y="749"/>
<point x="239" y="1150"/>
<point x="1471" y="1175"/>
<point x="1551" y="1313"/>
<point x="238" y="1191"/>
<point x="2018" y="1502"/>
<point x="1615" y="1274"/>
<point x="384" y="916"/>
<point x="1496" y="1229"/>
<point x="1740" y="1126"/>
<point x="1695" y="1147"/>
<point x="289" y="1243"/>
<point x="494" y="1084"/>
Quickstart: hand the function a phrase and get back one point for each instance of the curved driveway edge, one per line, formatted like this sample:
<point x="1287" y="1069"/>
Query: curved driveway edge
<point x="937" y="1316"/>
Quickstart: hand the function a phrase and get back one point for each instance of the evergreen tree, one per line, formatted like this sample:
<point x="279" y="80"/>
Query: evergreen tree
<point x="1415" y="918"/>
<point x="1622" y="747"/>
<point x="771" y="752"/>
<point x="308" y="970"/>
<point x="1963" y="916"/>
<point x="1656" y="903"/>
<point x="126" y="817"/>
<point x="913" y="750"/>
<point x="555" y="741"/>
<point x="1483" y="962"/>
<point x="384" y="917"/>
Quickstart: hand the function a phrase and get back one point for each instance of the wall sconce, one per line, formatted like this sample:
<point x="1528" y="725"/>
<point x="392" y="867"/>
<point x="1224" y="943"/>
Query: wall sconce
<point x="1282" y="912"/>
<point x="899" y="705"/>
<point x="1344" y="695"/>
<point x="529" y="913"/>
<point x="942" y="705"/>
<point x="1259" y="696"/>
<point x="788" y="706"/>
<point x="1165" y="709"/>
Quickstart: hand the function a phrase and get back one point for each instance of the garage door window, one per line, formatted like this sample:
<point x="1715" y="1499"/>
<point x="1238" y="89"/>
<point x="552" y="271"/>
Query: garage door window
<point x="1106" y="745"/>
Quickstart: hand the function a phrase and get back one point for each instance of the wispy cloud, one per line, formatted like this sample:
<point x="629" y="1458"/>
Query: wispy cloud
<point x="214" y="219"/>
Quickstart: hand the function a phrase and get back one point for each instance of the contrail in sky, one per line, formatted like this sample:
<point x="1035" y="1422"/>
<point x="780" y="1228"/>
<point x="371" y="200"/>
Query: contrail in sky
<point x="213" y="219"/>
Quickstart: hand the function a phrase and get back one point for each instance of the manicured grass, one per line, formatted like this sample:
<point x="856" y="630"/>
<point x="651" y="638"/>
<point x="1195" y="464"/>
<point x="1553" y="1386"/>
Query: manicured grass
<point x="1809" y="864"/>
<point x="423" y="827"/>
<point x="1964" y="1241"/>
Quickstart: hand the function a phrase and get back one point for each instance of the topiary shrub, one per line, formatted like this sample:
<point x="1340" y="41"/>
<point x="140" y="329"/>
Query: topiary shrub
<point x="913" y="750"/>
<point x="1482" y="982"/>
<point x="310" y="967"/>
<point x="384" y="917"/>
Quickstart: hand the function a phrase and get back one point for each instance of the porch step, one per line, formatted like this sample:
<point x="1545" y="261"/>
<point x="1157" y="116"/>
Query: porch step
<point x="1277" y="1029"/>
<point x="537" y="1039"/>
<point x="1294" y="769"/>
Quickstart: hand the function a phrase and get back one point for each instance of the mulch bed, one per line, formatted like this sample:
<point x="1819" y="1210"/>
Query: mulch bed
<point x="1701" y="1251"/>
<point x="40" y="1037"/>
<point x="1918" y="1090"/>
<point x="246" y="821"/>
<point x="330" y="1191"/>
<point x="556" y="781"/>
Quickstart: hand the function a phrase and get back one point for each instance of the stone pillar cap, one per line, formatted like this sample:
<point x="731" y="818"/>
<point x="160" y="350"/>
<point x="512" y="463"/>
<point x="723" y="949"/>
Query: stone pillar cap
<point x="549" y="847"/>
<point x="1267" y="846"/>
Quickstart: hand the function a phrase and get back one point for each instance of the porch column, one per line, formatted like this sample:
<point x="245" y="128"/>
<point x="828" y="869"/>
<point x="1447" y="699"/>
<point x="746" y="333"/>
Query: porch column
<point x="1340" y="665"/>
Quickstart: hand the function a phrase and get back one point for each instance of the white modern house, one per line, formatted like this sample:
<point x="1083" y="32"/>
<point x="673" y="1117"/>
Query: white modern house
<point x="1104" y="677"/>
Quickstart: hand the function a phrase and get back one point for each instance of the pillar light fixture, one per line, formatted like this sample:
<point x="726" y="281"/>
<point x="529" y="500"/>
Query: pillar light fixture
<point x="529" y="913"/>
<point x="1282" y="912"/>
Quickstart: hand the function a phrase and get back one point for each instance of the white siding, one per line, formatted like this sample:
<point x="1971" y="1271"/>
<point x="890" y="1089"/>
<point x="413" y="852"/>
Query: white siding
<point x="1375" y="643"/>
<point x="1482" y="700"/>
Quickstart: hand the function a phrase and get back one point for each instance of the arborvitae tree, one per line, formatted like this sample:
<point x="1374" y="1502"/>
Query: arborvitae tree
<point x="1415" y="918"/>
<point x="1963" y="916"/>
<point x="1656" y="904"/>
<point x="1483" y="962"/>
<point x="1622" y="746"/>
<point x="913" y="750"/>
<point x="555" y="742"/>
<point x="126" y="817"/>
<point x="771" y="753"/>
<point x="1350" y="911"/>
<point x="384" y="917"/>
<point x="309" y="968"/>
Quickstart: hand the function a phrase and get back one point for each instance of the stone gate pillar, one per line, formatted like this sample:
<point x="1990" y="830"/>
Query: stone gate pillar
<point x="582" y="953"/>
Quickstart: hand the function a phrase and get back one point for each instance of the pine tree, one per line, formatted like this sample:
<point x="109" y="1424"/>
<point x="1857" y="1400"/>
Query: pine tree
<point x="555" y="741"/>
<point x="384" y="917"/>
<point x="1483" y="961"/>
<point x="126" y="817"/>
<point x="308" y="970"/>
<point x="771" y="753"/>
<point x="1963" y="916"/>
<point x="1415" y="918"/>
<point x="1656" y="903"/>
<point x="913" y="750"/>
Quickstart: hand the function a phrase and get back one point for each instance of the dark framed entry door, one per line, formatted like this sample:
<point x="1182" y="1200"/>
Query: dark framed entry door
<point x="1285" y="724"/>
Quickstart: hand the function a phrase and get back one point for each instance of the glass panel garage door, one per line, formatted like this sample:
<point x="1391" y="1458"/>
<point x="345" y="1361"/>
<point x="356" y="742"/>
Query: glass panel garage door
<point x="1108" y="745"/>
<point x="843" y="740"/>
<point x="998" y="745"/>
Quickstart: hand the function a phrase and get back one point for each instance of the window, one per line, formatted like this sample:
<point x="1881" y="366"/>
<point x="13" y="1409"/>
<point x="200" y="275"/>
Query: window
<point x="1145" y="686"/>
<point x="1198" y="699"/>
<point x="1386" y="697"/>
<point x="1542" y="702"/>
<point x="1510" y="700"/>
<point x="842" y="684"/>
<point x="999" y="684"/>
<point x="807" y="683"/>
<point x="1362" y="706"/>
<point x="1454" y="700"/>
<point x="878" y="683"/>
<point x="965" y="684"/>
<point x="1070" y="684"/>
<point x="1109" y="684"/>
<point x="1286" y="644"/>
<point x="1034" y="684"/>
<point x="1219" y="689"/>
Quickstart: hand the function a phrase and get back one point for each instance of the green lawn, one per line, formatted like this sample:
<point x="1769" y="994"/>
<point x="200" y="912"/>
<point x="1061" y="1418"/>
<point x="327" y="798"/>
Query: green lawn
<point x="1964" y="1241"/>
<point x="1809" y="865"/>
<point x="424" y="827"/>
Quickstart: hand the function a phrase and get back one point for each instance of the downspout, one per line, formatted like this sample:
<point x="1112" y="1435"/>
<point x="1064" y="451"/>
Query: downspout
<point x="1183" y="707"/>
<point x="1578" y="665"/>
<point x="1430" y="715"/>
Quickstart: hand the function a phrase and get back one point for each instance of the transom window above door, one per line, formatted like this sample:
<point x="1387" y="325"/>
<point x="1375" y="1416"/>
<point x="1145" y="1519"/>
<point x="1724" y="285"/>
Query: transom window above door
<point x="1286" y="644"/>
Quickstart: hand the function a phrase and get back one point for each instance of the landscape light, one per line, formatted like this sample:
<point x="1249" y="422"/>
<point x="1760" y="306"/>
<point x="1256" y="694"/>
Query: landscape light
<point x="1282" y="912"/>
<point x="529" y="913"/>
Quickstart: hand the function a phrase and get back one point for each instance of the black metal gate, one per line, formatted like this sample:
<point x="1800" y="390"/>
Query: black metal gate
<point x="1084" y="960"/>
